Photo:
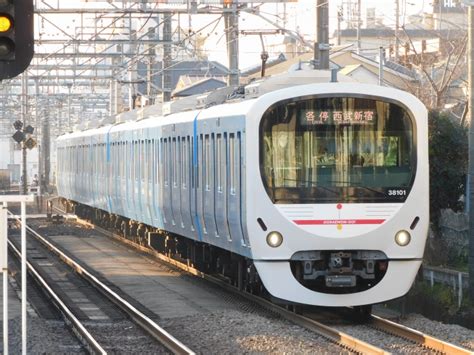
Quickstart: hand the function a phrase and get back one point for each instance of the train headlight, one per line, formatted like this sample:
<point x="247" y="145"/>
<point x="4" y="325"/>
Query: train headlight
<point x="274" y="239"/>
<point x="402" y="238"/>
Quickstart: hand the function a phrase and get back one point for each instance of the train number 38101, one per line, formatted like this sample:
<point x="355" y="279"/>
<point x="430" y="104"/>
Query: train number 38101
<point x="396" y="192"/>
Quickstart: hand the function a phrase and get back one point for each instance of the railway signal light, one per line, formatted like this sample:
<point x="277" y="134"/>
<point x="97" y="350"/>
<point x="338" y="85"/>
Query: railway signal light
<point x="16" y="36"/>
<point x="29" y="129"/>
<point x="19" y="136"/>
<point x="18" y="125"/>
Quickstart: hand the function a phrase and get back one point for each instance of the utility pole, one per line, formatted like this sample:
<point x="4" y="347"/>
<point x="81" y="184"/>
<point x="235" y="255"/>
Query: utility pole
<point x="69" y="112"/>
<point x="339" y="20"/>
<point x="381" y="63"/>
<point x="397" y="27"/>
<point x="166" y="69"/>
<point x="132" y="71"/>
<point x="358" y="26"/>
<point x="470" y="66"/>
<point x="150" y="92"/>
<point x="231" y="22"/>
<point x="24" y="113"/>
<point x="38" y="136"/>
<point x="321" y="52"/>
<point x="45" y="144"/>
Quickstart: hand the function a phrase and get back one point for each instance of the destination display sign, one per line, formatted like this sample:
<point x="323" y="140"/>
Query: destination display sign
<point x="337" y="117"/>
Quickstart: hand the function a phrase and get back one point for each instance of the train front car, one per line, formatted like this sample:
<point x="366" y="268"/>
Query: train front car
<point x="343" y="174"/>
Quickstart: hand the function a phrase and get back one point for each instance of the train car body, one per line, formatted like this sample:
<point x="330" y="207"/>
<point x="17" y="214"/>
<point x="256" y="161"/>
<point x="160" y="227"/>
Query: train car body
<point x="323" y="187"/>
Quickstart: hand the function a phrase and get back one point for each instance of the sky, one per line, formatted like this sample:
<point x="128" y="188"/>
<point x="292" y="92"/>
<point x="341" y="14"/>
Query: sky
<point x="300" y="17"/>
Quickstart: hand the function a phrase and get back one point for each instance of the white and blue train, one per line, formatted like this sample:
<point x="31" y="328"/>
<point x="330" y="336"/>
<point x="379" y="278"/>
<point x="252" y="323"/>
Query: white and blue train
<point x="319" y="191"/>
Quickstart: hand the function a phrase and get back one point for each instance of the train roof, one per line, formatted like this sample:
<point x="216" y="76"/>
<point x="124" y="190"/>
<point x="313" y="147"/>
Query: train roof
<point x="238" y="106"/>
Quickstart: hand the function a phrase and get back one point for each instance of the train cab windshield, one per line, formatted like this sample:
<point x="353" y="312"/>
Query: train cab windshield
<point x="337" y="149"/>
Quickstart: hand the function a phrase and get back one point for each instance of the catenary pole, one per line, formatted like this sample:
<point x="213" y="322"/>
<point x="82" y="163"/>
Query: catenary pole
<point x="397" y="27"/>
<point x="471" y="149"/>
<point x="322" y="30"/>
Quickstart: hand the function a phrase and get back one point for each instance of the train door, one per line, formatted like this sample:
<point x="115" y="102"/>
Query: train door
<point x="157" y="183"/>
<point x="167" y="190"/>
<point x="176" y="183"/>
<point x="208" y="186"/>
<point x="200" y="173"/>
<point x="149" y="188"/>
<point x="221" y="191"/>
<point x="186" y="168"/>
<point x="194" y="142"/>
<point x="235" y="212"/>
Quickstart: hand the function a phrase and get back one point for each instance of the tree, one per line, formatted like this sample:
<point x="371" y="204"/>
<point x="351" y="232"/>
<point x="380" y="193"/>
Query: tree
<point x="438" y="71"/>
<point x="448" y="148"/>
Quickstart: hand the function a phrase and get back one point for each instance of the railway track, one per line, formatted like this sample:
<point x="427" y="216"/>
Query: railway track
<point x="415" y="340"/>
<point x="90" y="332"/>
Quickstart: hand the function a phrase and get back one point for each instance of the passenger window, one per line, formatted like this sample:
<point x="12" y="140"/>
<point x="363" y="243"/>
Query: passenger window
<point x="232" y="162"/>
<point x="218" y="162"/>
<point x="184" y="162"/>
<point x="174" y="162"/>
<point x="207" y="162"/>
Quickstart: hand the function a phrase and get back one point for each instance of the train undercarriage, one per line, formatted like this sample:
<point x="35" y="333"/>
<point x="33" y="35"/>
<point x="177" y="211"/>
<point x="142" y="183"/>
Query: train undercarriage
<point x="235" y="269"/>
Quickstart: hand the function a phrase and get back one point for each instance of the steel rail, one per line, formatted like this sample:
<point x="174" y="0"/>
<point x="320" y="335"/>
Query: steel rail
<point x="326" y="332"/>
<point x="83" y="334"/>
<point x="330" y="333"/>
<point x="165" y="338"/>
<point x="417" y="336"/>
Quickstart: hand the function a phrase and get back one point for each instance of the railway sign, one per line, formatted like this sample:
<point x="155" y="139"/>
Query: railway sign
<point x="30" y="143"/>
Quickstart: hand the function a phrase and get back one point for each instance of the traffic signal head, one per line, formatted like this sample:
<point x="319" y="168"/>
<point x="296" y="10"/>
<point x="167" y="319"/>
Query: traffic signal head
<point x="7" y="30"/>
<point x="16" y="36"/>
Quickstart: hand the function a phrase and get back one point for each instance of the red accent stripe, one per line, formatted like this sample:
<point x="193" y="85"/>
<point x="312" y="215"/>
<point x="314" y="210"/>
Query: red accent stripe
<point x="337" y="221"/>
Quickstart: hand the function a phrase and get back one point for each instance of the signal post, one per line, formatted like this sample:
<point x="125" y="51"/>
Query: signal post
<point x="16" y="52"/>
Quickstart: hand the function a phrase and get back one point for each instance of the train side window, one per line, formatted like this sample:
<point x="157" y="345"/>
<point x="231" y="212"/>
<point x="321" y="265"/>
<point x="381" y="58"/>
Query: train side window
<point x="150" y="161"/>
<point x="238" y="163"/>
<point x="207" y="162"/>
<point x="200" y="164"/>
<point x="192" y="153"/>
<point x="157" y="160"/>
<point x="141" y="159"/>
<point x="124" y="161"/>
<point x="184" y="163"/>
<point x="132" y="161"/>
<point x="218" y="162"/>
<point x="232" y="163"/>
<point x="147" y="160"/>
<point x="174" y="163"/>
<point x="136" y="155"/>
<point x="165" y="161"/>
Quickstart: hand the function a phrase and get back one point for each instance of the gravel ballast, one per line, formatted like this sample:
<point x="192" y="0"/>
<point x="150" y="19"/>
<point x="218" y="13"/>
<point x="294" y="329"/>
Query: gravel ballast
<point x="245" y="333"/>
<point x="451" y="333"/>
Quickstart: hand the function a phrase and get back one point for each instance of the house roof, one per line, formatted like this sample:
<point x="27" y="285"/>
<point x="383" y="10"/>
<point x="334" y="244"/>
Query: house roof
<point x="385" y="32"/>
<point x="397" y="68"/>
<point x="348" y="69"/>
<point x="177" y="69"/>
<point x="199" y="86"/>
